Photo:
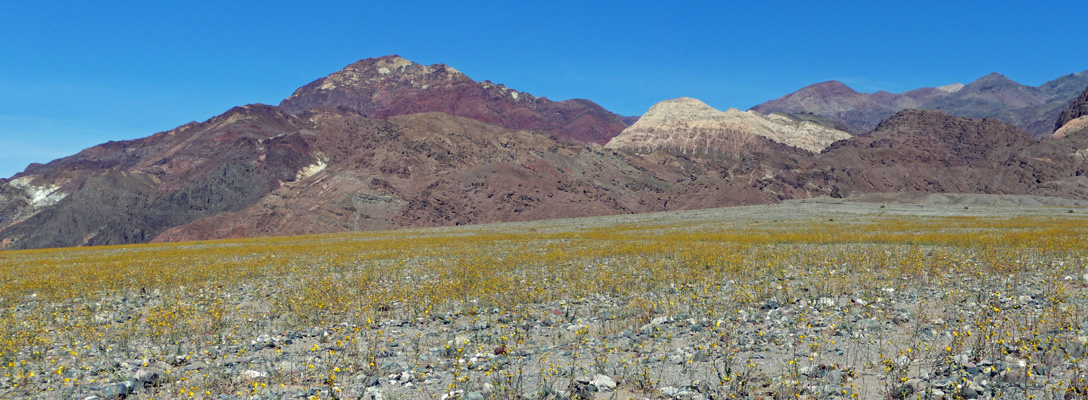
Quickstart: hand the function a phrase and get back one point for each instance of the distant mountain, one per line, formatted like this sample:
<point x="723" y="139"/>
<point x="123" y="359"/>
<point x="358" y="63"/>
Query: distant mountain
<point x="391" y="85"/>
<point x="858" y="112"/>
<point x="986" y="96"/>
<point x="689" y="126"/>
<point x="1033" y="109"/>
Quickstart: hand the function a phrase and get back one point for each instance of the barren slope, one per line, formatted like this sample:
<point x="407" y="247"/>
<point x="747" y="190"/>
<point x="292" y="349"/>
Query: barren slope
<point x="434" y="169"/>
<point x="128" y="192"/>
<point x="929" y="151"/>
<point x="391" y="85"/>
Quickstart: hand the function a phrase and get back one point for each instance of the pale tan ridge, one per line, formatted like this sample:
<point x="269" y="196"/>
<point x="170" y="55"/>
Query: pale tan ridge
<point x="691" y="126"/>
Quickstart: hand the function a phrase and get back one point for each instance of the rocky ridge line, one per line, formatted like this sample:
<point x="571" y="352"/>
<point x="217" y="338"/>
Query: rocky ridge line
<point x="1032" y="109"/>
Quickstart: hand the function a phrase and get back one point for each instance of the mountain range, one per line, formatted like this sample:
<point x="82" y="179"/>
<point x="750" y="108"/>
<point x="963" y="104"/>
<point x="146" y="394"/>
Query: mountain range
<point x="1033" y="109"/>
<point x="387" y="143"/>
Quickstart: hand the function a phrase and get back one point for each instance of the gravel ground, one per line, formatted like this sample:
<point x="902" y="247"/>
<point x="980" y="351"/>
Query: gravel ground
<point x="820" y="330"/>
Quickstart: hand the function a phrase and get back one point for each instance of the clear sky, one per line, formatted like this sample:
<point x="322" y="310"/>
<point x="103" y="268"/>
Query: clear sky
<point x="78" y="73"/>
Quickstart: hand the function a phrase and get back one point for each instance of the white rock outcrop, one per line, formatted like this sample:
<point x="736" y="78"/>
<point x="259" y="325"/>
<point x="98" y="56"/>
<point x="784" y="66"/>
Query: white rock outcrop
<point x="38" y="196"/>
<point x="690" y="126"/>
<point x="951" y="88"/>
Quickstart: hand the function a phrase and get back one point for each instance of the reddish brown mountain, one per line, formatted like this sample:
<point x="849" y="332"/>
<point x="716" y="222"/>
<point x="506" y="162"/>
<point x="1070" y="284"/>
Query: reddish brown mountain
<point x="390" y="85"/>
<point x="435" y="169"/>
<point x="930" y="151"/>
<point x="129" y="192"/>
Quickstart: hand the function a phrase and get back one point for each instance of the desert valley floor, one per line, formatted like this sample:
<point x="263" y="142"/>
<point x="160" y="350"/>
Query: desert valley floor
<point x="922" y="297"/>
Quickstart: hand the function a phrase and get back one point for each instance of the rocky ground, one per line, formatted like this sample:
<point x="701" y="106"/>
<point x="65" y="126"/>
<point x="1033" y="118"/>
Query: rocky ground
<point x="926" y="318"/>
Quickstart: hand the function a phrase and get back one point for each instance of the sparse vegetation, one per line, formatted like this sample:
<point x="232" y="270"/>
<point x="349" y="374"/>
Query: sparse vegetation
<point x="862" y="305"/>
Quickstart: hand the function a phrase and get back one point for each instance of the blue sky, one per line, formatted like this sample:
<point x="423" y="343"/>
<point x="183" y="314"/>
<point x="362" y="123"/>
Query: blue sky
<point x="75" y="74"/>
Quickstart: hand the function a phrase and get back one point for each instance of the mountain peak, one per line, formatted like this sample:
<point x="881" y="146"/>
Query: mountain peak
<point x="391" y="57"/>
<point x="830" y="87"/>
<point x="680" y="108"/>
<point x="393" y="64"/>
<point x="391" y="68"/>
<point x="368" y="80"/>
<point x="680" y="102"/>
<point x="993" y="78"/>
<point x="387" y="86"/>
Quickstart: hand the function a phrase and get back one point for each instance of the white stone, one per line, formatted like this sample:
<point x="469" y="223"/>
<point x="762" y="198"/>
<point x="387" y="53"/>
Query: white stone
<point x="311" y="169"/>
<point x="250" y="374"/>
<point x="603" y="383"/>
